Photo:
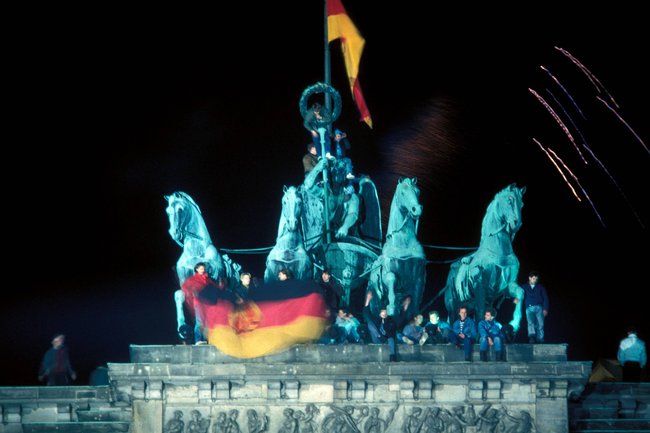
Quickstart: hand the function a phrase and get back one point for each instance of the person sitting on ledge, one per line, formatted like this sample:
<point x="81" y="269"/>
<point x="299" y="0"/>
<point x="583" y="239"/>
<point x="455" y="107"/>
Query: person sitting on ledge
<point x="463" y="333"/>
<point x="382" y="328"/>
<point x="413" y="332"/>
<point x="489" y="331"/>
<point x="437" y="330"/>
<point x="349" y="325"/>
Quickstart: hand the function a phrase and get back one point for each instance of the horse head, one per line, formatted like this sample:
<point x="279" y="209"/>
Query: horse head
<point x="406" y="204"/>
<point x="507" y="209"/>
<point x="180" y="211"/>
<point x="291" y="208"/>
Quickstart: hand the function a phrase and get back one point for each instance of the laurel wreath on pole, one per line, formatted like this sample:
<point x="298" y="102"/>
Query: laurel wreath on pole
<point x="328" y="118"/>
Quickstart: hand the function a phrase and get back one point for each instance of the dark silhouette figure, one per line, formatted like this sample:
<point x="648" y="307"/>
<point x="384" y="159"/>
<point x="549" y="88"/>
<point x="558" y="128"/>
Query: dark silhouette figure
<point x="55" y="366"/>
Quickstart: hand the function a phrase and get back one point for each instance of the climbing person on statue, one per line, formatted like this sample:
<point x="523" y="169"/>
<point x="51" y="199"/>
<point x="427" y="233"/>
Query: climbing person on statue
<point x="310" y="159"/>
<point x="342" y="145"/>
<point x="313" y="121"/>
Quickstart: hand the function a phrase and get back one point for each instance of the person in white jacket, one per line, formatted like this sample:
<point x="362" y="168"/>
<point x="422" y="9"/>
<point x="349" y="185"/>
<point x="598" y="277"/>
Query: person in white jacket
<point x="632" y="356"/>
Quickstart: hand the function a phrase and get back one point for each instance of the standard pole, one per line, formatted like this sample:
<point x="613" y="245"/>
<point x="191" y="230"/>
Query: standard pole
<point x="328" y="108"/>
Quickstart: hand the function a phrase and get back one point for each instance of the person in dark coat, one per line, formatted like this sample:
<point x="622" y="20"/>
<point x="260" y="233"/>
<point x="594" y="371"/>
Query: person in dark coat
<point x="332" y="292"/>
<point x="55" y="366"/>
<point x="537" y="305"/>
<point x="382" y="328"/>
<point x="310" y="159"/>
<point x="314" y="120"/>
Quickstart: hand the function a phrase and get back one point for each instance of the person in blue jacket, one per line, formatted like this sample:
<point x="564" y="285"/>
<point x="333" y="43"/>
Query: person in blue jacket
<point x="490" y="334"/>
<point x="463" y="333"/>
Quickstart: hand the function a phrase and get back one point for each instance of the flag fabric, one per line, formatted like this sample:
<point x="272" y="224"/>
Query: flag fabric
<point x="340" y="26"/>
<point x="275" y="316"/>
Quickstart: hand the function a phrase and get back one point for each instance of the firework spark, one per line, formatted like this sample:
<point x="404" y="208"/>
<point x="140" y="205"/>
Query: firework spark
<point x="575" y="178"/>
<point x="594" y="80"/>
<point x="559" y="169"/>
<point x="618" y="187"/>
<point x="624" y="123"/>
<point x="559" y="122"/>
<point x="584" y="141"/>
<point x="564" y="90"/>
<point x="599" y="162"/>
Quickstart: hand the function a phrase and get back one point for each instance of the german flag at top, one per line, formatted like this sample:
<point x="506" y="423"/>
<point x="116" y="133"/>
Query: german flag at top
<point x="340" y="26"/>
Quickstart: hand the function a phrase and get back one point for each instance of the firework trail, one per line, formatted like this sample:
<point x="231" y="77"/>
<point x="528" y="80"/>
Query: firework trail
<point x="553" y="157"/>
<point x="559" y="121"/>
<point x="624" y="123"/>
<point x="575" y="178"/>
<point x="595" y="81"/>
<point x="599" y="162"/>
<point x="566" y="173"/>
<point x="602" y="166"/>
<point x="584" y="141"/>
<point x="565" y="92"/>
<point x="557" y="167"/>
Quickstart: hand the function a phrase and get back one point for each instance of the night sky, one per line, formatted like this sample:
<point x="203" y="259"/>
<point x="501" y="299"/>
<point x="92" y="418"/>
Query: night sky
<point x="114" y="111"/>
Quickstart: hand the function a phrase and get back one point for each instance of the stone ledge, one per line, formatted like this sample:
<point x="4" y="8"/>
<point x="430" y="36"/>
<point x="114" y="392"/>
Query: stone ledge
<point x="341" y="353"/>
<point x="76" y="427"/>
<point x="58" y="393"/>
<point x="373" y="371"/>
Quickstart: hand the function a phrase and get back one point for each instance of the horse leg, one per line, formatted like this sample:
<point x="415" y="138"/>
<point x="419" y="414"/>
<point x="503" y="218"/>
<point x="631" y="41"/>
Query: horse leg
<point x="179" y="300"/>
<point x="464" y="276"/>
<point x="306" y="270"/>
<point x="389" y="280"/>
<point x="347" y="275"/>
<point x="449" y="304"/>
<point x="518" y="293"/>
<point x="453" y="291"/>
<point x="271" y="270"/>
<point x="480" y="301"/>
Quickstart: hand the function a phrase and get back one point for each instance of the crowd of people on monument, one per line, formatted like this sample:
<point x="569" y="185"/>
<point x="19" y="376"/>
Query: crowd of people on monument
<point x="462" y="332"/>
<point x="400" y="328"/>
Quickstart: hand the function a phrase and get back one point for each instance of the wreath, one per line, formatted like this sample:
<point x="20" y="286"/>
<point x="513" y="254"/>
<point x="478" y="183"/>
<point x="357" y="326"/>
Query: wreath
<point x="328" y="118"/>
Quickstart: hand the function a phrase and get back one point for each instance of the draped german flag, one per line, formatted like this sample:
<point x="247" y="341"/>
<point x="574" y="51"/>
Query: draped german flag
<point x="275" y="317"/>
<point x="339" y="25"/>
